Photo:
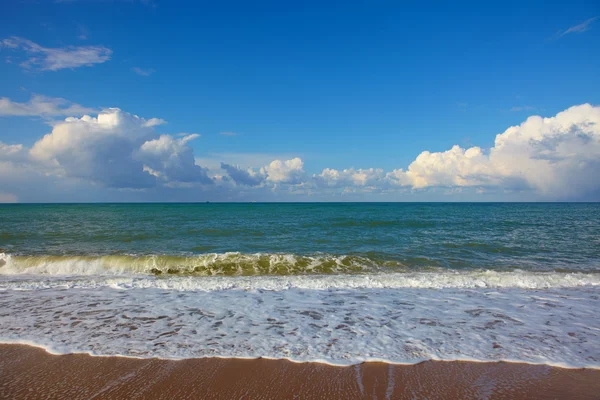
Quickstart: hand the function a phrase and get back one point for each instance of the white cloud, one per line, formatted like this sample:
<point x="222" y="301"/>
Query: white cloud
<point x="117" y="150"/>
<point x="582" y="27"/>
<point x="350" y="177"/>
<point x="154" y="122"/>
<point x="97" y="149"/>
<point x="275" y="173"/>
<point x="367" y="177"/>
<point x="557" y="157"/>
<point x="143" y="71"/>
<point x="171" y="159"/>
<point x="243" y="160"/>
<point x="55" y="58"/>
<point x="289" y="171"/>
<point x="333" y="178"/>
<point x="41" y="106"/>
<point x="455" y="167"/>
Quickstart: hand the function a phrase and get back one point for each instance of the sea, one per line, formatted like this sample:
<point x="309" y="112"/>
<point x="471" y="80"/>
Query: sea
<point x="337" y="283"/>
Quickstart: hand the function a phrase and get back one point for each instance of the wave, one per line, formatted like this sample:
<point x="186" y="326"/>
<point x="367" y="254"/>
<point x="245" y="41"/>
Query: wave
<point x="267" y="271"/>
<point x="228" y="264"/>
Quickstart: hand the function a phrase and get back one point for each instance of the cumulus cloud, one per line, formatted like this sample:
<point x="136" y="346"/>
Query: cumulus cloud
<point x="454" y="167"/>
<point x="241" y="176"/>
<point x="289" y="171"/>
<point x="558" y="157"/>
<point x="117" y="150"/>
<point x="97" y="149"/>
<point x="55" y="58"/>
<point x="171" y="159"/>
<point x="41" y="106"/>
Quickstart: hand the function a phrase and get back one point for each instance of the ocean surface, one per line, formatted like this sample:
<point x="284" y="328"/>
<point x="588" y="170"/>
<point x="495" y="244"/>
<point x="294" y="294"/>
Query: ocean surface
<point x="337" y="283"/>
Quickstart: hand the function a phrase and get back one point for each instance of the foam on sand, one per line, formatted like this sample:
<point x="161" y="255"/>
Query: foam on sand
<point x="558" y="326"/>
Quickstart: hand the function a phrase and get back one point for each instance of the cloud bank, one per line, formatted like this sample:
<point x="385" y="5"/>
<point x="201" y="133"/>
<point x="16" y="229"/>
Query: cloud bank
<point x="557" y="157"/>
<point x="554" y="158"/>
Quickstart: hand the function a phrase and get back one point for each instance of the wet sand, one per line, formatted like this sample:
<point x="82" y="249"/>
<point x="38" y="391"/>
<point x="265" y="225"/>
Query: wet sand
<point x="32" y="373"/>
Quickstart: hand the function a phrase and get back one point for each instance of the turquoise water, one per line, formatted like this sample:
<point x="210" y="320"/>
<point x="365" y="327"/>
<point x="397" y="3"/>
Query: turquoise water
<point x="372" y="236"/>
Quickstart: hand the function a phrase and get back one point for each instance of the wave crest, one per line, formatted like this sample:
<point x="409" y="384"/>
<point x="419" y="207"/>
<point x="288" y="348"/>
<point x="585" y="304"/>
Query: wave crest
<point x="228" y="264"/>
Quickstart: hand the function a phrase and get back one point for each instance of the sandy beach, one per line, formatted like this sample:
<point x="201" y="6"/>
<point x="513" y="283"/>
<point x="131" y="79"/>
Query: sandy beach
<point x="32" y="373"/>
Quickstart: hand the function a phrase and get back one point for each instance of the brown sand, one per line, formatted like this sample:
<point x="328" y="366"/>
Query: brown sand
<point x="31" y="373"/>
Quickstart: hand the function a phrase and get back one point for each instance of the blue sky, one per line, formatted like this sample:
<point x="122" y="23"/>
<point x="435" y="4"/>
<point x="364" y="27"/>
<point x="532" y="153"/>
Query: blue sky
<point x="339" y="85"/>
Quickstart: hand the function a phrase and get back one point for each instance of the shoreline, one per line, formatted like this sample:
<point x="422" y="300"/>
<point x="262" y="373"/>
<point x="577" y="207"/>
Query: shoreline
<point x="31" y="372"/>
<point x="49" y="351"/>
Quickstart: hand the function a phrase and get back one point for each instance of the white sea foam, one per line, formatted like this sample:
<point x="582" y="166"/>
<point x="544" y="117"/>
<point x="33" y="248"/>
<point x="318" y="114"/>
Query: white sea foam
<point x="422" y="280"/>
<point x="559" y="326"/>
<point x="73" y="304"/>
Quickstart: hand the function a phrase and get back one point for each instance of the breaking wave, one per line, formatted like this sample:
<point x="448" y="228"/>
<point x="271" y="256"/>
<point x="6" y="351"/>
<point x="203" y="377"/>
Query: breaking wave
<point x="264" y="271"/>
<point x="227" y="264"/>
